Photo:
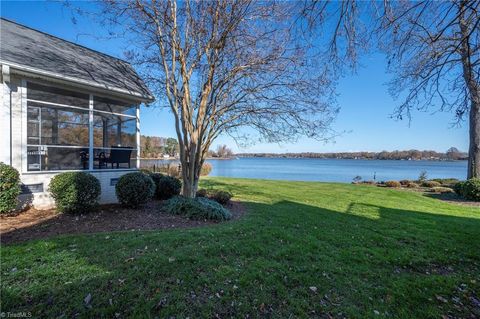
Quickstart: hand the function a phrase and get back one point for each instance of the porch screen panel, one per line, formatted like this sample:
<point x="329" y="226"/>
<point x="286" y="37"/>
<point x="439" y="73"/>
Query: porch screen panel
<point x="114" y="135"/>
<point x="57" y="129"/>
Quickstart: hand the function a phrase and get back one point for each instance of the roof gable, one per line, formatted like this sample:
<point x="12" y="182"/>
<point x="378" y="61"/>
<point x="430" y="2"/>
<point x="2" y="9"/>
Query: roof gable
<point x="37" y="50"/>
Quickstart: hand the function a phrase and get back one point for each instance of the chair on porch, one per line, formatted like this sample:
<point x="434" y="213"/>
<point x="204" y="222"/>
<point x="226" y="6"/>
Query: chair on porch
<point x="119" y="155"/>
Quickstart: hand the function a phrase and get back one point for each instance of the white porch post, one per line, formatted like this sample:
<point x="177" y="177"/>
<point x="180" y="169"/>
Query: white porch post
<point x="90" y="134"/>
<point x="138" y="136"/>
<point x="24" y="129"/>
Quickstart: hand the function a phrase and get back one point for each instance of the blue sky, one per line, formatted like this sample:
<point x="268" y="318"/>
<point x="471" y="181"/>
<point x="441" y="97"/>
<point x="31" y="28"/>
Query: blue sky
<point x="365" y="103"/>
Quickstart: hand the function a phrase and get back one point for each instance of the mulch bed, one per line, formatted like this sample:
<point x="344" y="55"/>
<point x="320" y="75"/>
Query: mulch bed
<point x="37" y="224"/>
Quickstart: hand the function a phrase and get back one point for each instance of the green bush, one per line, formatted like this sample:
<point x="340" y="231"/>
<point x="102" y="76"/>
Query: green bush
<point x="221" y="197"/>
<point x="441" y="189"/>
<point x="75" y="192"/>
<point x="148" y="171"/>
<point x="166" y="186"/>
<point x="393" y="184"/>
<point x="471" y="189"/>
<point x="134" y="189"/>
<point x="202" y="192"/>
<point x="9" y="188"/>
<point x="196" y="208"/>
<point x="448" y="182"/>
<point x="431" y="184"/>
<point x="458" y="188"/>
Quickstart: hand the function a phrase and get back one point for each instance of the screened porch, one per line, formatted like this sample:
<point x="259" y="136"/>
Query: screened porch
<point x="70" y="130"/>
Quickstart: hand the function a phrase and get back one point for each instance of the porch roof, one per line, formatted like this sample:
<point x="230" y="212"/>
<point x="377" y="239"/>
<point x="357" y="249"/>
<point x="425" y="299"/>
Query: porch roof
<point x="32" y="51"/>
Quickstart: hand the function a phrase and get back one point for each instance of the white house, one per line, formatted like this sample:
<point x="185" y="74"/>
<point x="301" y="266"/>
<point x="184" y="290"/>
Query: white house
<point x="65" y="107"/>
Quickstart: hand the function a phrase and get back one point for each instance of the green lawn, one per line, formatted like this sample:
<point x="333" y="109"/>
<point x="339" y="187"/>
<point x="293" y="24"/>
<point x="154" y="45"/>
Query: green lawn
<point x="303" y="250"/>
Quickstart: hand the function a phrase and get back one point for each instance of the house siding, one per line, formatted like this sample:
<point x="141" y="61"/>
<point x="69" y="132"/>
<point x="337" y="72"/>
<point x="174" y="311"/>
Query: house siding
<point x="5" y="123"/>
<point x="43" y="200"/>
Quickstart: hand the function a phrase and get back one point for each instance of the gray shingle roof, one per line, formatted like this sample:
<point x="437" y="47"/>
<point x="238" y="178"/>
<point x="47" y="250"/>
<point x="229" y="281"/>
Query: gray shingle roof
<point x="34" y="49"/>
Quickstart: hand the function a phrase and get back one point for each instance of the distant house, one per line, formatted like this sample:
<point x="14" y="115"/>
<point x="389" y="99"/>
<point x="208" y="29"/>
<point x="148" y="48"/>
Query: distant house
<point x="65" y="107"/>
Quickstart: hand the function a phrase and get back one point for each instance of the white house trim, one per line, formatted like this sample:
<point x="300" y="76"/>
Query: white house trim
<point x="24" y="70"/>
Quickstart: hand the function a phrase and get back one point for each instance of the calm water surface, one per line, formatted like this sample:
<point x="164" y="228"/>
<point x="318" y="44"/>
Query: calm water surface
<point x="330" y="170"/>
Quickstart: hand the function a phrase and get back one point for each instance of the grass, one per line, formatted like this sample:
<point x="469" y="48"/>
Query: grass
<point x="303" y="250"/>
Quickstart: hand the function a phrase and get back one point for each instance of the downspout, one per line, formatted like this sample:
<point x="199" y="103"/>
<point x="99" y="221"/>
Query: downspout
<point x="6" y="86"/>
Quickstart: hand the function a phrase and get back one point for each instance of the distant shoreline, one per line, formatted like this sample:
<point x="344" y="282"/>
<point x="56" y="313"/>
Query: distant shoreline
<point x="407" y="155"/>
<point x="177" y="159"/>
<point x="365" y="158"/>
<point x="319" y="158"/>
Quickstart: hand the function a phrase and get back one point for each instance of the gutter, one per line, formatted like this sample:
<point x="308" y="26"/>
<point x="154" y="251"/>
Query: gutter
<point x="24" y="70"/>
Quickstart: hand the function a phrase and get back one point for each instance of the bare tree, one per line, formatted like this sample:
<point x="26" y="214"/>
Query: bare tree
<point x="433" y="50"/>
<point x="223" y="66"/>
<point x="223" y="151"/>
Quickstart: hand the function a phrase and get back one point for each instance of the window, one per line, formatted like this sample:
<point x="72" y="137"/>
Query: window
<point x="58" y="131"/>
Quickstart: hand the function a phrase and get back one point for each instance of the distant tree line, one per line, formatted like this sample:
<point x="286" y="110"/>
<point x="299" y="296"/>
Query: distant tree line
<point x="451" y="154"/>
<point x="222" y="151"/>
<point x="156" y="146"/>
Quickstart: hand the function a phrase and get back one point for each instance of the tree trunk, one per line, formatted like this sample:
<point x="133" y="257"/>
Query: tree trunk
<point x="473" y="88"/>
<point x="190" y="186"/>
<point x="190" y="174"/>
<point x="474" y="149"/>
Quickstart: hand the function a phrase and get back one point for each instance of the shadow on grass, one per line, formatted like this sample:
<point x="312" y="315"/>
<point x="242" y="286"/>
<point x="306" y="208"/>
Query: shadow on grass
<point x="453" y="198"/>
<point x="368" y="258"/>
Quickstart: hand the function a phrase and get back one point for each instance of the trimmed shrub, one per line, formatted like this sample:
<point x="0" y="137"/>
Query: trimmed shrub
<point x="471" y="189"/>
<point x="134" y="189"/>
<point x="166" y="186"/>
<point x="449" y="182"/>
<point x="431" y="184"/>
<point x="405" y="182"/>
<point x="458" y="188"/>
<point x="202" y="192"/>
<point x="196" y="208"/>
<point x="149" y="171"/>
<point x="441" y="190"/>
<point x="9" y="188"/>
<point x="75" y="192"/>
<point x="221" y="197"/>
<point x="413" y="185"/>
<point x="393" y="184"/>
<point x="206" y="169"/>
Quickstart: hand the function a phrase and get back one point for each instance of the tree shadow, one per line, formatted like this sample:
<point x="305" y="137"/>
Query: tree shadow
<point x="363" y="259"/>
<point x="452" y="198"/>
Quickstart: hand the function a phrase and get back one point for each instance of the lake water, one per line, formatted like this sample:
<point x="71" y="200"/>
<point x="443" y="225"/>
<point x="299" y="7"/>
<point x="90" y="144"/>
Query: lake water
<point x="332" y="170"/>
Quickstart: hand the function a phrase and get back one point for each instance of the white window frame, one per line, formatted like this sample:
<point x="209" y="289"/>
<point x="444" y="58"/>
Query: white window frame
<point x="91" y="111"/>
